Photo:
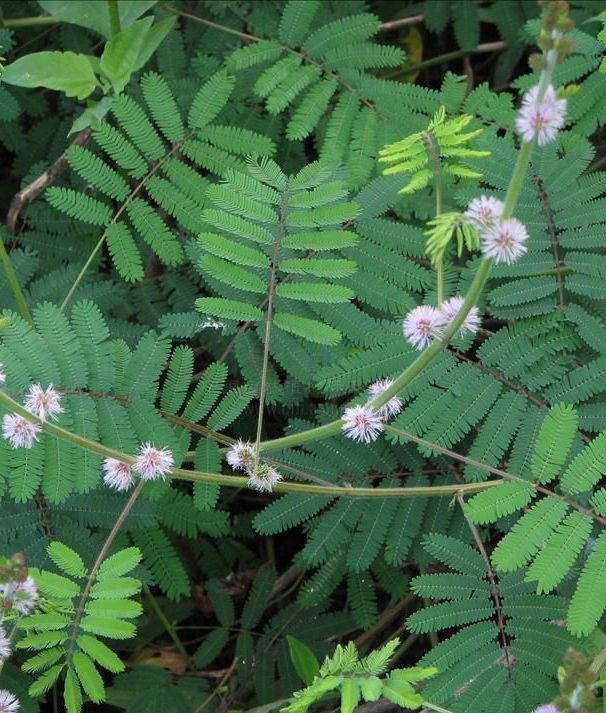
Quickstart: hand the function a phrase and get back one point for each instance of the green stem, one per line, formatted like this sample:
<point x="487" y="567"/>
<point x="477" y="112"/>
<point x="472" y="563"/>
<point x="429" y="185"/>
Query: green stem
<point x="434" y="707"/>
<point x="14" y="284"/>
<point x="170" y="629"/>
<point x="233" y="481"/>
<point x="114" y="17"/>
<point x="83" y="271"/>
<point x="16" y="22"/>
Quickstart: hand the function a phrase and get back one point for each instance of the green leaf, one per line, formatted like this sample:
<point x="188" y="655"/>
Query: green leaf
<point x="309" y="329"/>
<point x="401" y="693"/>
<point x="371" y="688"/>
<point x="120" y="57"/>
<point x="350" y="695"/>
<point x="107" y="626"/>
<point x="554" y="442"/>
<point x="66" y="72"/>
<point x="95" y="15"/>
<point x="66" y="559"/>
<point x="72" y="693"/>
<point x="99" y="652"/>
<point x="91" y="681"/>
<point x="119" y="564"/>
<point x="304" y="660"/>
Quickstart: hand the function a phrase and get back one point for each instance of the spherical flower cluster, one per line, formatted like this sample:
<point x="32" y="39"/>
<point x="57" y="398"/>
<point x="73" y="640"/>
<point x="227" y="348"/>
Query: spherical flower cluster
<point x="263" y="477"/>
<point x="153" y="463"/>
<point x="393" y="406"/>
<point x="483" y="212"/>
<point x="43" y="403"/>
<point x="422" y="325"/>
<point x="241" y="455"/>
<point x="505" y="241"/>
<point x="450" y="308"/>
<point x="5" y="646"/>
<point x="2" y="373"/>
<point x="22" y="596"/>
<point x="541" y="119"/>
<point x="18" y="431"/>
<point x="117" y="474"/>
<point x="8" y="702"/>
<point x="361" y="423"/>
<point x="549" y="708"/>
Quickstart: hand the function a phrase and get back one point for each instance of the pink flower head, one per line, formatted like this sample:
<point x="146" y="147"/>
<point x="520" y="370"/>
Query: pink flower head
<point x="263" y="478"/>
<point x="361" y="423"/>
<point x="117" y="474"/>
<point x="5" y="646"/>
<point x="542" y="119"/>
<point x="504" y="242"/>
<point x="43" y="403"/>
<point x="8" y="702"/>
<point x="549" y="708"/>
<point x="483" y="212"/>
<point x="422" y="325"/>
<point x="153" y="463"/>
<point x="241" y="455"/>
<point x="450" y="308"/>
<point x="18" y="431"/>
<point x="2" y="373"/>
<point x="393" y="406"/>
<point x="22" y="596"/>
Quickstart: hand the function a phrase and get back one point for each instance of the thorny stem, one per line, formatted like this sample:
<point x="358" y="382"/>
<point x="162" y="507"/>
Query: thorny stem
<point x="494" y="587"/>
<point x="268" y="321"/>
<point x="98" y="562"/>
<point x="234" y="481"/>
<point x="14" y="284"/>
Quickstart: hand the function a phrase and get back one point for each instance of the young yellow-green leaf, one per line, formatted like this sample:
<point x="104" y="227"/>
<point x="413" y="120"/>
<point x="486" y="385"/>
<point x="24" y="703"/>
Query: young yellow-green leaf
<point x="43" y="660"/>
<point x="66" y="72"/>
<point x="401" y="693"/>
<point x="54" y="585"/>
<point x="91" y="681"/>
<point x="115" y="588"/>
<point x="350" y="695"/>
<point x="108" y="626"/>
<point x="119" y="608"/>
<point x="66" y="559"/>
<point x="371" y="688"/>
<point x="304" y="660"/>
<point x="72" y="693"/>
<point x="42" y="684"/>
<point x="120" y="563"/>
<point x="101" y="653"/>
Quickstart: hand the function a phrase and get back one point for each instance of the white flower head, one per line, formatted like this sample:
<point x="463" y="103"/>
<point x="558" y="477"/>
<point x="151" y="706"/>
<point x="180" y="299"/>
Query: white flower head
<point x="8" y="702"/>
<point x="241" y="455"/>
<point x="263" y="477"/>
<point x="117" y="474"/>
<point x="2" y="373"/>
<point x="361" y="423"/>
<point x="549" y="708"/>
<point x="450" y="308"/>
<point x="5" y="646"/>
<point x="43" y="403"/>
<point x="422" y="325"/>
<point x="153" y="463"/>
<point x="543" y="119"/>
<point x="22" y="595"/>
<point x="18" y="431"/>
<point x="393" y="406"/>
<point x="504" y="242"/>
<point x="483" y="212"/>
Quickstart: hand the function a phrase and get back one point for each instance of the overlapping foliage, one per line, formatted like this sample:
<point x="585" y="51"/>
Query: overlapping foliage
<point x="223" y="242"/>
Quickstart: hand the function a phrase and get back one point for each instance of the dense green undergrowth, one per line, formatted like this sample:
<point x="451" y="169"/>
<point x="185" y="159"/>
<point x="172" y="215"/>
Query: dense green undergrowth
<point x="206" y="242"/>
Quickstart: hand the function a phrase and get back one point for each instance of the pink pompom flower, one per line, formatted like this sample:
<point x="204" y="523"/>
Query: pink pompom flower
<point x="117" y="474"/>
<point x="450" y="308"/>
<point x="483" y="212"/>
<point x="393" y="406"/>
<point x="18" y="431"/>
<point x="505" y="241"/>
<point x="263" y="478"/>
<point x="361" y="423"/>
<point x="43" y="403"/>
<point x="541" y="120"/>
<point x="153" y="463"/>
<point x="8" y="702"/>
<point x="241" y="455"/>
<point x="422" y="325"/>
